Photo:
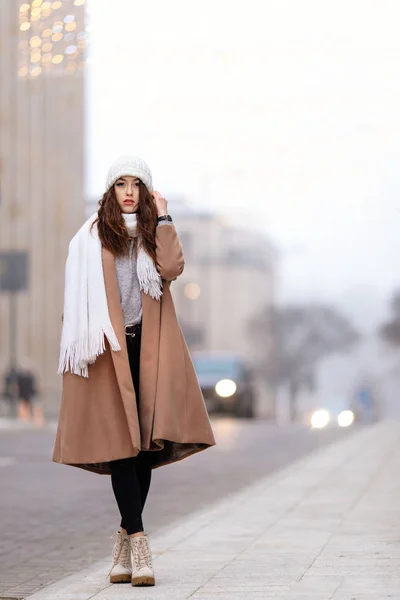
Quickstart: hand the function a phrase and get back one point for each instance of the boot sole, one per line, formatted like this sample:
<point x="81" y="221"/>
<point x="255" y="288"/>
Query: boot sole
<point x="120" y="578"/>
<point x="143" y="581"/>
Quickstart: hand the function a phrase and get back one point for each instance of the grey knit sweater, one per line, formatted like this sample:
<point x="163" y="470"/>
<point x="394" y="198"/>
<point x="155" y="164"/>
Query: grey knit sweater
<point x="129" y="288"/>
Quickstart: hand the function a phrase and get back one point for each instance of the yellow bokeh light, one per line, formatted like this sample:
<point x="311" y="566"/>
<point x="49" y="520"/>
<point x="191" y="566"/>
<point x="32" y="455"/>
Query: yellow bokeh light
<point x="47" y="58"/>
<point x="46" y="5"/>
<point x="35" y="41"/>
<point x="36" y="71"/>
<point x="24" y="7"/>
<point x="36" y="12"/>
<point x="70" y="26"/>
<point x="23" y="71"/>
<point x="57" y="37"/>
<point x="192" y="291"/>
<point x="25" y="26"/>
<point x="79" y="2"/>
<point x="36" y="3"/>
<point x="47" y="47"/>
<point x="47" y="33"/>
<point x="35" y="18"/>
<point x="46" y="13"/>
<point x="56" y="5"/>
<point x="57" y="59"/>
<point x="35" y="57"/>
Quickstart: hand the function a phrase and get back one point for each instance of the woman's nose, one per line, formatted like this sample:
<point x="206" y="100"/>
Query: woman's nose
<point x="130" y="190"/>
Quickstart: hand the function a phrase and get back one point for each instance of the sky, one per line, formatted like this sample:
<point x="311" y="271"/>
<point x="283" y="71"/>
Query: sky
<point x="282" y="114"/>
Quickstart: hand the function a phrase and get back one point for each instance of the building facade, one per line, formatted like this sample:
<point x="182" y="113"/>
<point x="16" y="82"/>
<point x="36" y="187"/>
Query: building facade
<point x="228" y="279"/>
<point x="42" y="162"/>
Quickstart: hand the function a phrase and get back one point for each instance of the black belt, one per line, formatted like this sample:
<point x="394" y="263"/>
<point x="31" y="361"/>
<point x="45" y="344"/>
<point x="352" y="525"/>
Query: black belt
<point x="133" y="330"/>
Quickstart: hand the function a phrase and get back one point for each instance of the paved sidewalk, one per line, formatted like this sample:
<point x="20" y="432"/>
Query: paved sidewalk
<point x="327" y="527"/>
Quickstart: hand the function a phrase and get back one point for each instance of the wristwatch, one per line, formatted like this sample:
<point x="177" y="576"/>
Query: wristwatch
<point x="164" y="218"/>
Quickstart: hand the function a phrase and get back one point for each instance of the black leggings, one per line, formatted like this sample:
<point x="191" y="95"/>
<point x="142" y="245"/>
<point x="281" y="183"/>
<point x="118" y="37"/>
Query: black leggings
<point x="131" y="477"/>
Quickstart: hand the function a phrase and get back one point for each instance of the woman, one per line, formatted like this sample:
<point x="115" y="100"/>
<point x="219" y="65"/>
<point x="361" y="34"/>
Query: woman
<point x="131" y="400"/>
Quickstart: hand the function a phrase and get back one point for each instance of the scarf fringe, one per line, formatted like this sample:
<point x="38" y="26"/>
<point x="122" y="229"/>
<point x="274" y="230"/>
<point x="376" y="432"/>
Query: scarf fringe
<point x="152" y="289"/>
<point x="149" y="278"/>
<point x="77" y="356"/>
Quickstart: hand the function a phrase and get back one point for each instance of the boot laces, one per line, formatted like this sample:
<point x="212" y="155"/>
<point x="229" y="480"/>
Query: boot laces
<point x="141" y="552"/>
<point x="121" y="551"/>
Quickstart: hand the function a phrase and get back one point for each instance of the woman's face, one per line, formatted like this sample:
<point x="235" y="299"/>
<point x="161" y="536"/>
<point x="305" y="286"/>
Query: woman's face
<point x="127" y="193"/>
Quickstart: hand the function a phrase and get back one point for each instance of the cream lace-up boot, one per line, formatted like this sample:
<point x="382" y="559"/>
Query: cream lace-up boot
<point x="142" y="566"/>
<point x="121" y="570"/>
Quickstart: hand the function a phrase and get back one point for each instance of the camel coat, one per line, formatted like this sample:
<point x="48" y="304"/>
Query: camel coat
<point x="99" y="420"/>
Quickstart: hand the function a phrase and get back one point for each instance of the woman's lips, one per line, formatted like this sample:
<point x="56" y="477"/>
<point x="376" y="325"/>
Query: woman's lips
<point x="128" y="202"/>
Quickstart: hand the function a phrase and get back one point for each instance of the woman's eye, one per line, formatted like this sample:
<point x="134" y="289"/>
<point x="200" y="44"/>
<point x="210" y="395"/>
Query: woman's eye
<point x="120" y="184"/>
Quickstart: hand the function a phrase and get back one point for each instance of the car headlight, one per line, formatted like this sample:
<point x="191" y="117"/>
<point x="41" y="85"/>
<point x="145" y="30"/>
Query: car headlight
<point x="320" y="418"/>
<point x="225" y="388"/>
<point x="345" y="418"/>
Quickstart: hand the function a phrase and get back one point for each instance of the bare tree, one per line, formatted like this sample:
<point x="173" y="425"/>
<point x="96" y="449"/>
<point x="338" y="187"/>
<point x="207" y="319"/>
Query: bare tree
<point x="390" y="331"/>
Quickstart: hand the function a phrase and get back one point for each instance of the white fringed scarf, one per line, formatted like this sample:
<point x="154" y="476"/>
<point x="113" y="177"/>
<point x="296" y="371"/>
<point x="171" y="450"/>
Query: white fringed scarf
<point x="86" y="320"/>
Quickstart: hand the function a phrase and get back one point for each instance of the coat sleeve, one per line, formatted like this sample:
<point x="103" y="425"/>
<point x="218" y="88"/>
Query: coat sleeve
<point x="170" y="261"/>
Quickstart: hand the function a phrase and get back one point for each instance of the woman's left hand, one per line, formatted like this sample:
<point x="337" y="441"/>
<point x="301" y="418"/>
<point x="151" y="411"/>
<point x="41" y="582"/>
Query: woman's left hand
<point x="161" y="204"/>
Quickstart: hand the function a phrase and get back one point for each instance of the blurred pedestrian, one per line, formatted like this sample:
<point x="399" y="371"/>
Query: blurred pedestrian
<point x="26" y="393"/>
<point x="20" y="390"/>
<point x="11" y="389"/>
<point x="29" y="407"/>
<point x="131" y="401"/>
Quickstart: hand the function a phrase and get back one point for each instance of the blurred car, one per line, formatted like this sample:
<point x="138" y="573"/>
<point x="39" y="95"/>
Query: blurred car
<point x="362" y="408"/>
<point x="227" y="383"/>
<point x="326" y="417"/>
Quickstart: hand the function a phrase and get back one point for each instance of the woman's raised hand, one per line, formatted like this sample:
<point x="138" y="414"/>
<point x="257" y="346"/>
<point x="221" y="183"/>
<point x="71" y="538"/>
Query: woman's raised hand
<point x="161" y="203"/>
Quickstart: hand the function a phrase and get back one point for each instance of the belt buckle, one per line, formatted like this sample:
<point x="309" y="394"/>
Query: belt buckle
<point x="131" y="334"/>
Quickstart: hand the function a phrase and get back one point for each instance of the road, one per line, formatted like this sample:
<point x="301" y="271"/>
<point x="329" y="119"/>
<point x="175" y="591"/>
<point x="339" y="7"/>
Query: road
<point x="57" y="519"/>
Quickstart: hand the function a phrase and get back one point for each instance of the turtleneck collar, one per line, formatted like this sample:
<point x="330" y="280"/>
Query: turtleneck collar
<point x="131" y="223"/>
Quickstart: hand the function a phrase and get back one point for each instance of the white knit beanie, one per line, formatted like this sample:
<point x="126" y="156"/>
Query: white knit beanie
<point x="129" y="165"/>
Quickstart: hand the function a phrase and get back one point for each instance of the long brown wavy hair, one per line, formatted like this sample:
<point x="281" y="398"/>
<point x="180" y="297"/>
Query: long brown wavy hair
<point x="111" y="225"/>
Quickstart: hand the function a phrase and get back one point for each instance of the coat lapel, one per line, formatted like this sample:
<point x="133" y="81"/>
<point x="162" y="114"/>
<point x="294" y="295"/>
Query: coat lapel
<point x="149" y="361"/>
<point x="120" y="357"/>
